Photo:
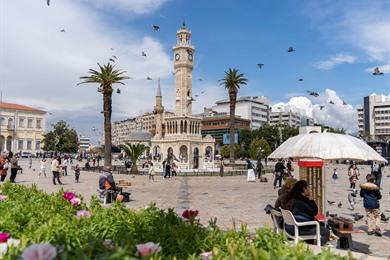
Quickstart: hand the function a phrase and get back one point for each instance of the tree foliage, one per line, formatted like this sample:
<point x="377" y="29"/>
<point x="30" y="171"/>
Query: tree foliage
<point x="225" y="151"/>
<point x="61" y="139"/>
<point x="232" y="81"/>
<point x="106" y="77"/>
<point x="274" y="135"/>
<point x="134" y="152"/>
<point x="331" y="129"/>
<point x="259" y="146"/>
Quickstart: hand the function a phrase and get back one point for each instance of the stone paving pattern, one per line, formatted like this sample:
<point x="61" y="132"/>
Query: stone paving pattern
<point x="232" y="200"/>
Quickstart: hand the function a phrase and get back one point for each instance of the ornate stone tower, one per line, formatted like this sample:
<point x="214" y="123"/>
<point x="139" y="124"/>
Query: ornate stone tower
<point x="159" y="110"/>
<point x="183" y="64"/>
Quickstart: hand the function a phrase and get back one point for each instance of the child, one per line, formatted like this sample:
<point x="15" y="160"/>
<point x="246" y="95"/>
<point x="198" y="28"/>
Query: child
<point x="334" y="176"/>
<point x="43" y="168"/>
<point x="77" y="173"/>
<point x="151" y="172"/>
<point x="371" y="196"/>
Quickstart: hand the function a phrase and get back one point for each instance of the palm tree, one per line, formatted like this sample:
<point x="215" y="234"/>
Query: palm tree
<point x="232" y="81"/>
<point x="106" y="77"/>
<point x="133" y="151"/>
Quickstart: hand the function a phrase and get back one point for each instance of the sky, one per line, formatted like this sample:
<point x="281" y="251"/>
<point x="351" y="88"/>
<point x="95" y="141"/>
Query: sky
<point x="337" y="43"/>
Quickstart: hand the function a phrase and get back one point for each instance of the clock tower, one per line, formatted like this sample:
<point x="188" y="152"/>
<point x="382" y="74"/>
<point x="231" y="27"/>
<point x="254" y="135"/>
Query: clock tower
<point x="183" y="64"/>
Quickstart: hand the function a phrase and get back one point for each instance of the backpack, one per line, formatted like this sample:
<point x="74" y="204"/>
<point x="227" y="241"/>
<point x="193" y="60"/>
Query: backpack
<point x="102" y="182"/>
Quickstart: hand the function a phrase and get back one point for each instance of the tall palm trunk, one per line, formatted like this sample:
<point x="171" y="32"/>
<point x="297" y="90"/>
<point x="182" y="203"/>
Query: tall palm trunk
<point x="232" y="97"/>
<point x="107" y="110"/>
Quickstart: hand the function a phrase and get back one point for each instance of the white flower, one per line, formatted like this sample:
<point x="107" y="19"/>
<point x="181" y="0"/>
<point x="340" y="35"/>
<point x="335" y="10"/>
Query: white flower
<point x="39" y="252"/>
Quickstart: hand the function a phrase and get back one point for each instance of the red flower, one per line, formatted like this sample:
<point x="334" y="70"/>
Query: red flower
<point x="190" y="214"/>
<point x="69" y="195"/>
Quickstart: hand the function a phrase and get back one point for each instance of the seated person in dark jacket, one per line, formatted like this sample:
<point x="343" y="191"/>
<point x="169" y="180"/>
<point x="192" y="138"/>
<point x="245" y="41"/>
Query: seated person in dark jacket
<point x="304" y="208"/>
<point x="106" y="181"/>
<point x="283" y="193"/>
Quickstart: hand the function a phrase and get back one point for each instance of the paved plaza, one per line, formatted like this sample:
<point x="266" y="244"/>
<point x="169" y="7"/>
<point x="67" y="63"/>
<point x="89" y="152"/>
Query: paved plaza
<point x="232" y="200"/>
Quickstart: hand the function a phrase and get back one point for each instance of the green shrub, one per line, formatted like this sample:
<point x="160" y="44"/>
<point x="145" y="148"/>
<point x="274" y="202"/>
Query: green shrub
<point x="36" y="217"/>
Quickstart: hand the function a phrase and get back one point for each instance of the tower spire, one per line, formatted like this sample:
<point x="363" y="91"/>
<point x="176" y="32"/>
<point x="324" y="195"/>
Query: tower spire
<point x="158" y="89"/>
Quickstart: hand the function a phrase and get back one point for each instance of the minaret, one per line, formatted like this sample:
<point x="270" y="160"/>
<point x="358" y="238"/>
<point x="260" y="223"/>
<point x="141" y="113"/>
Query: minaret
<point x="183" y="64"/>
<point x="158" y="111"/>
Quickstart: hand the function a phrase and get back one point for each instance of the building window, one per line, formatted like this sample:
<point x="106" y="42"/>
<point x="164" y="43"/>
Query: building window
<point x="20" y="144"/>
<point x="29" y="144"/>
<point x="37" y="145"/>
<point x="29" y="123"/>
<point x="21" y="122"/>
<point x="39" y="121"/>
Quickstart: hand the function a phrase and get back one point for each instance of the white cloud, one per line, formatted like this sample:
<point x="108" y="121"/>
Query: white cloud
<point x="134" y="6"/>
<point x="335" y="60"/>
<point x="40" y="66"/>
<point x="334" y="115"/>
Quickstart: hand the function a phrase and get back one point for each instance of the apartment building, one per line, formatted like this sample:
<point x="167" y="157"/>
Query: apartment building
<point x="290" y="118"/>
<point x="253" y="108"/>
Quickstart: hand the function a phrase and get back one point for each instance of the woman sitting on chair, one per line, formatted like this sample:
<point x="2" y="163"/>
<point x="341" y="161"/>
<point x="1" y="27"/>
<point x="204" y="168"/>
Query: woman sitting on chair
<point x="304" y="208"/>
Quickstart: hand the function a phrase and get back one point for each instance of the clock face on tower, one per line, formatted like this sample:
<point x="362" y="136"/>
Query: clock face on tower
<point x="190" y="57"/>
<point x="177" y="56"/>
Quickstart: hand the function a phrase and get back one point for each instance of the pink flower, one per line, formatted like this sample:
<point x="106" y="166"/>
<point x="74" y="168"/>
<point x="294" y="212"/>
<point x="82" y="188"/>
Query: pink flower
<point x="206" y="255"/>
<point x="75" y="201"/>
<point x="39" y="252"/>
<point x="83" y="214"/>
<point x="69" y="195"/>
<point x="190" y="214"/>
<point x="144" y="250"/>
<point x="4" y="237"/>
<point x="3" y="197"/>
<point x="119" y="197"/>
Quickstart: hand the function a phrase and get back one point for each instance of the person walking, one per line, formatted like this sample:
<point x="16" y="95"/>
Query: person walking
<point x="174" y="170"/>
<point x="43" y="168"/>
<point x="14" y="168"/>
<point x="376" y="170"/>
<point x="30" y="162"/>
<point x="259" y="167"/>
<point x="334" y="176"/>
<point x="151" y="172"/>
<point x="371" y="196"/>
<point x="64" y="165"/>
<point x="55" y="168"/>
<point x="221" y="167"/>
<point x="279" y="172"/>
<point x="167" y="170"/>
<point x="353" y="173"/>
<point x="77" y="173"/>
<point x="3" y="167"/>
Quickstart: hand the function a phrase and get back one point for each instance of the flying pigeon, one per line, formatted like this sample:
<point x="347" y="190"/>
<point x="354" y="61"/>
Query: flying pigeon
<point x="300" y="79"/>
<point x="260" y="65"/>
<point x="340" y="204"/>
<point x="322" y="107"/>
<point x="112" y="60"/>
<point x="290" y="49"/>
<point x="377" y="72"/>
<point x="196" y="95"/>
<point x="156" y="28"/>
<point x="202" y="92"/>
<point x="345" y="103"/>
<point x="115" y="57"/>
<point x="312" y="93"/>
<point x="62" y="30"/>
<point x="200" y="79"/>
<point x="331" y="102"/>
<point x="48" y="2"/>
<point x="143" y="54"/>
<point x="112" y="49"/>
<point x="118" y="91"/>
<point x="148" y="78"/>
<point x="331" y="202"/>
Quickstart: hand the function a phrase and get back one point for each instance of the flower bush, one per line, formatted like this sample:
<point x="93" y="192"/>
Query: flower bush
<point x="116" y="232"/>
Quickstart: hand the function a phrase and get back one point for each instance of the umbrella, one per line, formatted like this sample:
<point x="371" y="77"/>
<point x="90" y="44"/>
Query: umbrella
<point x="326" y="146"/>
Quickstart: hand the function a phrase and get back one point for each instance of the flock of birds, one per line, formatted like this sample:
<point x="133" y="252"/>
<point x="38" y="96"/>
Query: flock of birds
<point x="156" y="28"/>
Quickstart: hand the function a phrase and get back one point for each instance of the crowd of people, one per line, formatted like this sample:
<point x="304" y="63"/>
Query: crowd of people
<point x="60" y="167"/>
<point x="296" y="197"/>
